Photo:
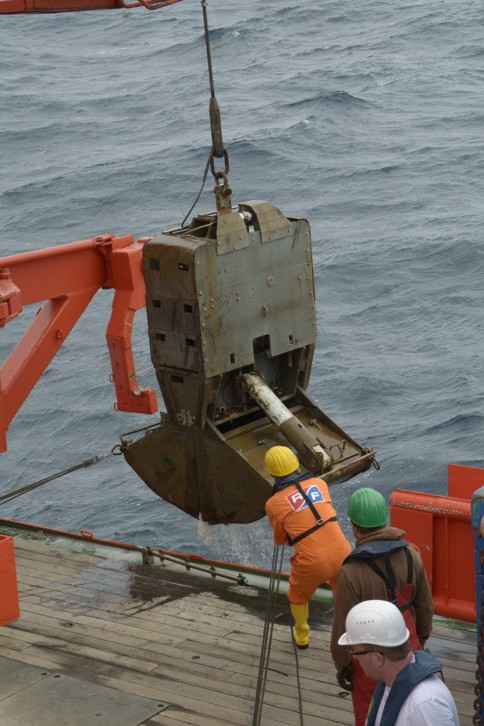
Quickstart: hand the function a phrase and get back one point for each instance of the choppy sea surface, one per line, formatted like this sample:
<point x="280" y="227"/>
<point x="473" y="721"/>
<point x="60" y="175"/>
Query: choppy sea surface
<point x="364" y="117"/>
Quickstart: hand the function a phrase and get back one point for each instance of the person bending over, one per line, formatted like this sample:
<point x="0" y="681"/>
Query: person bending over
<point x="301" y="514"/>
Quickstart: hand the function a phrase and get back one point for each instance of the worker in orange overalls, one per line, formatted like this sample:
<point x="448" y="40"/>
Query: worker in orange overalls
<point x="301" y="514"/>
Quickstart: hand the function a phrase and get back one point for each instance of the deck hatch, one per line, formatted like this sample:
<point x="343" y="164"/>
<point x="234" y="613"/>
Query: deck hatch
<point x="49" y="698"/>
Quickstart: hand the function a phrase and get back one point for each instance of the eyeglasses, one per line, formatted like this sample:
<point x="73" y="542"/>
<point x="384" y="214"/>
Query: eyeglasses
<point x="357" y="653"/>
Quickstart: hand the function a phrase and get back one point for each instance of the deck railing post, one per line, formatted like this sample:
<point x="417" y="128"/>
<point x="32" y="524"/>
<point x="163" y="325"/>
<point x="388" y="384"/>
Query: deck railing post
<point x="477" y="518"/>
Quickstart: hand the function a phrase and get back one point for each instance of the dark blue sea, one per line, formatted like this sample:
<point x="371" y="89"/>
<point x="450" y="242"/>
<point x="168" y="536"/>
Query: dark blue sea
<point x="365" y="117"/>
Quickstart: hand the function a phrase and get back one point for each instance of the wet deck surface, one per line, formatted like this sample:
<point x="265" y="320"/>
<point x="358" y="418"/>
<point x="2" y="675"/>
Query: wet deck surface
<point x="116" y="643"/>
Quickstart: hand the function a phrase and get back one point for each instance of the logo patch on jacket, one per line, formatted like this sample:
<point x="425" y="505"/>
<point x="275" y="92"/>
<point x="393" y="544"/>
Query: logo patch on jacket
<point x="297" y="501"/>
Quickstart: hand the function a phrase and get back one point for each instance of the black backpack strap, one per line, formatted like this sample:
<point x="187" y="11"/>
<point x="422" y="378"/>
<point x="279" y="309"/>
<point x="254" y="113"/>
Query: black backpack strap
<point x="319" y="520"/>
<point x="389" y="577"/>
<point x="408" y="605"/>
<point x="310" y="531"/>
<point x="377" y="570"/>
<point x="308" y="501"/>
<point x="409" y="566"/>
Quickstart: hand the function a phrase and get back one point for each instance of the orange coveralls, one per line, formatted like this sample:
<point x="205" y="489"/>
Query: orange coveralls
<point x="318" y="557"/>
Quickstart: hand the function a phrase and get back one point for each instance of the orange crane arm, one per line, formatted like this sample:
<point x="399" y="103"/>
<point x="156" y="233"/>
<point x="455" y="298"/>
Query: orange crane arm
<point x="66" y="278"/>
<point x="65" y="6"/>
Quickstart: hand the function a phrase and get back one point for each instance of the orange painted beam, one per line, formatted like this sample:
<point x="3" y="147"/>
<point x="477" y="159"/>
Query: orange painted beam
<point x="66" y="278"/>
<point x="66" y="6"/>
<point x="463" y="481"/>
<point x="55" y="6"/>
<point x="129" y="296"/>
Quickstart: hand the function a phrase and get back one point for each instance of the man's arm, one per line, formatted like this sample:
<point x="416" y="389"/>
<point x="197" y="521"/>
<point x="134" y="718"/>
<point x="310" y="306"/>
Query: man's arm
<point x="423" y="602"/>
<point x="344" y="599"/>
<point x="276" y="519"/>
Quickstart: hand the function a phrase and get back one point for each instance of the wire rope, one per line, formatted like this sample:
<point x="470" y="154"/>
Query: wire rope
<point x="272" y="595"/>
<point x="298" y="681"/>
<point x="115" y="451"/>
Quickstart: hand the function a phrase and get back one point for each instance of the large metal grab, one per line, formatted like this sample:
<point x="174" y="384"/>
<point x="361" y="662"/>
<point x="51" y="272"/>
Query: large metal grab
<point x="232" y="325"/>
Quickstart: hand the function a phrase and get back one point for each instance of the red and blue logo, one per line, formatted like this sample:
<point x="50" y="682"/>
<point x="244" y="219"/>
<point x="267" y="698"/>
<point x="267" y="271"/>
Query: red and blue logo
<point x="297" y="501"/>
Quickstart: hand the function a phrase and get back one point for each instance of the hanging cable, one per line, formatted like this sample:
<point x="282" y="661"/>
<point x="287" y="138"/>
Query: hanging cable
<point x="298" y="681"/>
<point x="214" y="111"/>
<point x="115" y="451"/>
<point x="222" y="189"/>
<point x="272" y="595"/>
<point x="207" y="166"/>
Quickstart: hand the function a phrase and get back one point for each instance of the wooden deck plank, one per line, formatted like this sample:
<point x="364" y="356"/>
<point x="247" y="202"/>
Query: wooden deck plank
<point x="187" y="641"/>
<point x="136" y="628"/>
<point x="55" y="558"/>
<point x="183" y="659"/>
<point x="176" y="716"/>
<point x="51" y="549"/>
<point x="95" y="637"/>
<point x="38" y="623"/>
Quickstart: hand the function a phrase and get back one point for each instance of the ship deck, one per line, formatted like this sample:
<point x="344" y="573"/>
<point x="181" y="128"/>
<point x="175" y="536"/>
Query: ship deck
<point x="119" y="643"/>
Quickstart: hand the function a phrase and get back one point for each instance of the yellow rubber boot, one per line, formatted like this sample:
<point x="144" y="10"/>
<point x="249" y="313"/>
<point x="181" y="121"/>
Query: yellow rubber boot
<point x="301" y="629"/>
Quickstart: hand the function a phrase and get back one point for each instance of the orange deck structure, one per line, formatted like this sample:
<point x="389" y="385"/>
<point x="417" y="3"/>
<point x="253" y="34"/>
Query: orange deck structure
<point x="64" y="6"/>
<point x="442" y="529"/>
<point x="65" y="279"/>
<point x="9" y="603"/>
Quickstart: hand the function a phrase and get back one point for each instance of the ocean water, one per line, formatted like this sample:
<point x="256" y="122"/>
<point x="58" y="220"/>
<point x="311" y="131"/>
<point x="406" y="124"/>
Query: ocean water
<point x="364" y="117"/>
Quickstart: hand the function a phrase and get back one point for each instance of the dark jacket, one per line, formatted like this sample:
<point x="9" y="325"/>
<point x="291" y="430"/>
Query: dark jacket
<point x="357" y="582"/>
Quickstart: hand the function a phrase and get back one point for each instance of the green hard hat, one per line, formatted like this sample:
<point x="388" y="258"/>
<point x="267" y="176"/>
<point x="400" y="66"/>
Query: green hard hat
<point x="367" y="508"/>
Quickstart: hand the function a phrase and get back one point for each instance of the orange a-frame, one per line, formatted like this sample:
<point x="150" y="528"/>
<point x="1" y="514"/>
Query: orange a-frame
<point x="65" y="279"/>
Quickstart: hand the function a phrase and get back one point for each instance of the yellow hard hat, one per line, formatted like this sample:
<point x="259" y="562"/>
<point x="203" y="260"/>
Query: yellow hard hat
<point x="281" y="461"/>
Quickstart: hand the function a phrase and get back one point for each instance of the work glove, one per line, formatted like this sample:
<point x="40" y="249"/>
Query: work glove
<point x="345" y="678"/>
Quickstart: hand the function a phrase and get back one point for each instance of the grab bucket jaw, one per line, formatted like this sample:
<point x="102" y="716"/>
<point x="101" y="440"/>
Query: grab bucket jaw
<point x="231" y="313"/>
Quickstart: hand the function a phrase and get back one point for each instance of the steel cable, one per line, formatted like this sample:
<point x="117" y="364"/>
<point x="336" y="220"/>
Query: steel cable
<point x="115" y="451"/>
<point x="273" y="592"/>
<point x="272" y="596"/>
<point x="298" y="681"/>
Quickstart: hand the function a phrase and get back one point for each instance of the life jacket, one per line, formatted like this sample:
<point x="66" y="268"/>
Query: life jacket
<point x="401" y="598"/>
<point x="319" y="521"/>
<point x="424" y="666"/>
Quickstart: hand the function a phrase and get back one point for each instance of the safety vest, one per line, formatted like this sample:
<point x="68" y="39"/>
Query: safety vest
<point x="401" y="598"/>
<point x="424" y="666"/>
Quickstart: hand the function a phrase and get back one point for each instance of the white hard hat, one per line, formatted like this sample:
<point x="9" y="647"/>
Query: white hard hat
<point x="377" y="622"/>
